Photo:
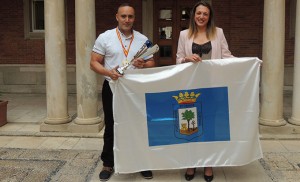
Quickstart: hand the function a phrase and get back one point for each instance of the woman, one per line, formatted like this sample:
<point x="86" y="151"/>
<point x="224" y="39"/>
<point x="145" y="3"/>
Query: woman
<point x="203" y="40"/>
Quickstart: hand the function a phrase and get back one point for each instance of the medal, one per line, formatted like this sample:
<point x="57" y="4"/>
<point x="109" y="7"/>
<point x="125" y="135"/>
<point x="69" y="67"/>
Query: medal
<point x="123" y="47"/>
<point x="125" y="62"/>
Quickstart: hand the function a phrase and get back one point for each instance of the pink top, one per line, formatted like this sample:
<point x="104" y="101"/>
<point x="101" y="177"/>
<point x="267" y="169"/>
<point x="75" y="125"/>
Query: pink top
<point x="219" y="46"/>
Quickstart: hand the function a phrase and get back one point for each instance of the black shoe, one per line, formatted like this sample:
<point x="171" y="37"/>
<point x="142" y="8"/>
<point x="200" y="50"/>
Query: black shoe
<point x="189" y="177"/>
<point x="208" y="178"/>
<point x="106" y="173"/>
<point x="147" y="174"/>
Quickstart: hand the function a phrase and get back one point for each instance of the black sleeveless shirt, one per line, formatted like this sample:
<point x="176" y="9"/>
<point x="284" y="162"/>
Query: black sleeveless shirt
<point x="202" y="49"/>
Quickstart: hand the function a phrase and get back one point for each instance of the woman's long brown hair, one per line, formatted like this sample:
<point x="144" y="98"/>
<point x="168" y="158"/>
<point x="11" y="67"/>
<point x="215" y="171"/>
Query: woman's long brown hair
<point x="211" y="28"/>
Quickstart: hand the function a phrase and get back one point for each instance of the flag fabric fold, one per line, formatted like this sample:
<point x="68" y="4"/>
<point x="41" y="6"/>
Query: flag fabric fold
<point x="187" y="115"/>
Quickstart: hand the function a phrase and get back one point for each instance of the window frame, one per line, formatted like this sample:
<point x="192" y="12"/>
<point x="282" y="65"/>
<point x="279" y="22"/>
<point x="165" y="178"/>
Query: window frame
<point x="29" y="32"/>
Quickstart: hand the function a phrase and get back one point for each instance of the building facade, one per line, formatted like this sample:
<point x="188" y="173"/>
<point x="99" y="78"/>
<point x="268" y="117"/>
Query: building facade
<point x="45" y="45"/>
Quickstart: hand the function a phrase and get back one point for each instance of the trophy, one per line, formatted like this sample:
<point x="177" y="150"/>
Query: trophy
<point x="144" y="51"/>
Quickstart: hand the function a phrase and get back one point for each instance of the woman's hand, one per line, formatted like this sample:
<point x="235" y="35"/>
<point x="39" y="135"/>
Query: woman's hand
<point x="193" y="58"/>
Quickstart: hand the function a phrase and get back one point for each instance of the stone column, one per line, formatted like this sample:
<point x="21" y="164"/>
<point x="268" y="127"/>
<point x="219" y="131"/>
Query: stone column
<point x="56" y="68"/>
<point x="271" y="111"/>
<point x="295" y="118"/>
<point x="87" y="96"/>
<point x="147" y="10"/>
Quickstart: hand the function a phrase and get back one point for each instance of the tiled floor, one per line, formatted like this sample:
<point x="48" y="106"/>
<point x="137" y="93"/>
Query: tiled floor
<point x="31" y="142"/>
<point x="251" y="172"/>
<point x="32" y="108"/>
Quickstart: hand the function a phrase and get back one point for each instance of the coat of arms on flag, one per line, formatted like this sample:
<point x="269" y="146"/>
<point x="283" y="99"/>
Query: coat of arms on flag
<point x="188" y="117"/>
<point x="195" y="115"/>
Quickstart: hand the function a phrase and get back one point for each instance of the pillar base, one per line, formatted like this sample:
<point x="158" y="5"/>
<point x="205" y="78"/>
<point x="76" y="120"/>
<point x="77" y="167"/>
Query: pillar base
<point x="80" y="128"/>
<point x="268" y="122"/>
<point x="87" y="121"/>
<point x="57" y="121"/>
<point x="287" y="131"/>
<point x="294" y="121"/>
<point x="54" y="127"/>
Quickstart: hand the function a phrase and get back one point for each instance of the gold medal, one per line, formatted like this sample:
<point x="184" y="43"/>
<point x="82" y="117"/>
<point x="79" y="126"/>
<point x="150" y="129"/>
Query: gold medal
<point x="125" y="62"/>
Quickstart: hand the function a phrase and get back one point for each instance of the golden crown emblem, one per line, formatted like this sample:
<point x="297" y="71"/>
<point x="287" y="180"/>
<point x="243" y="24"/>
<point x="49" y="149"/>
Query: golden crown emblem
<point x="186" y="98"/>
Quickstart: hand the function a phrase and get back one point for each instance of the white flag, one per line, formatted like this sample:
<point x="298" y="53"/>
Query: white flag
<point x="187" y="115"/>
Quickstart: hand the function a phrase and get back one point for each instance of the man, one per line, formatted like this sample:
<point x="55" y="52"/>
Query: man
<point x="112" y="49"/>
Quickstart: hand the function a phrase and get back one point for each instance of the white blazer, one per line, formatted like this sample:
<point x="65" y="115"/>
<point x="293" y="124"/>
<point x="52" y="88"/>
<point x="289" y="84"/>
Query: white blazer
<point x="219" y="46"/>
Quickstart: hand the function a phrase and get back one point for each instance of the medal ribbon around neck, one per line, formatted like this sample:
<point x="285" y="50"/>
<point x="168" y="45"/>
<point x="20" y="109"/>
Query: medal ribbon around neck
<point x="124" y="49"/>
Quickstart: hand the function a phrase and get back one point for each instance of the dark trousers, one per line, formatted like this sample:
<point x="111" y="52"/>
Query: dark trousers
<point x="107" y="155"/>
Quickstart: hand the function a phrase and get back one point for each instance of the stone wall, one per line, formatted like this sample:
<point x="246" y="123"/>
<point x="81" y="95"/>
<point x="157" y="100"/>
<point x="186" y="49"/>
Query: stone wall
<point x="32" y="79"/>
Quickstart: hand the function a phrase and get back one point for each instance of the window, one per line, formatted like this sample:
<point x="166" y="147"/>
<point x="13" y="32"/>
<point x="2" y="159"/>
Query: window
<point x="34" y="19"/>
<point x="292" y="18"/>
<point x="37" y="15"/>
